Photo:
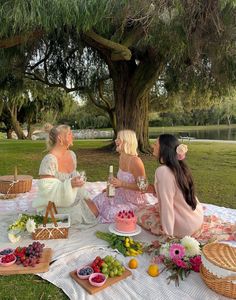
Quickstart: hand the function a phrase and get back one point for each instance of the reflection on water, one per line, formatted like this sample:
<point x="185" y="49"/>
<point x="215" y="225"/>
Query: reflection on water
<point x="220" y="134"/>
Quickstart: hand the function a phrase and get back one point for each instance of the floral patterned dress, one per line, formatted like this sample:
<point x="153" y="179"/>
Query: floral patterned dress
<point x="124" y="199"/>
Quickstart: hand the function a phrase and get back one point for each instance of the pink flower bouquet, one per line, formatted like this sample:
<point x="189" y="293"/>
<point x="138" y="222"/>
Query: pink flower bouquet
<point x="179" y="256"/>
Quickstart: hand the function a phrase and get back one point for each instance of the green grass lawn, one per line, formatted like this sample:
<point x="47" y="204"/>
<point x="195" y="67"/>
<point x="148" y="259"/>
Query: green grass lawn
<point x="213" y="166"/>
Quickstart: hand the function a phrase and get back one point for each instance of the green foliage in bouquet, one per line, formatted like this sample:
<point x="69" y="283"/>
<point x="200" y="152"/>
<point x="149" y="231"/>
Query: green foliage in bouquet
<point x="125" y="245"/>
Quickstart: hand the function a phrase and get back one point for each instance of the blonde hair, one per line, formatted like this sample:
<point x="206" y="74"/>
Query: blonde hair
<point x="53" y="133"/>
<point x="129" y="139"/>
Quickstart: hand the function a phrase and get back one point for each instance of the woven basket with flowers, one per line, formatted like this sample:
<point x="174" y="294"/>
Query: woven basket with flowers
<point x="52" y="230"/>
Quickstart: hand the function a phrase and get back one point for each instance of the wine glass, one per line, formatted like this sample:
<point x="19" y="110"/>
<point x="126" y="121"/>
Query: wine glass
<point x="142" y="183"/>
<point x="82" y="175"/>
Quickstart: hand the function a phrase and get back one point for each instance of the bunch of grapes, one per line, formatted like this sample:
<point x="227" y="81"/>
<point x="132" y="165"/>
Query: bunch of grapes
<point x="112" y="267"/>
<point x="29" y="256"/>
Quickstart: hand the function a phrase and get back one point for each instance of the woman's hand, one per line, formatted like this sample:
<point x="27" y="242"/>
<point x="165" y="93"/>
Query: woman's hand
<point x="116" y="182"/>
<point x="77" y="182"/>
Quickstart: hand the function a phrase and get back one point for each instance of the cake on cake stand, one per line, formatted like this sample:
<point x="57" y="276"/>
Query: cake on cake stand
<point x="112" y="229"/>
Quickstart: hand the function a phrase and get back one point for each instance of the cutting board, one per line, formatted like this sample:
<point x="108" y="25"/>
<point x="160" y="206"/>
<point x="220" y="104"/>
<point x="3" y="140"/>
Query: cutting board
<point x="94" y="289"/>
<point x="42" y="267"/>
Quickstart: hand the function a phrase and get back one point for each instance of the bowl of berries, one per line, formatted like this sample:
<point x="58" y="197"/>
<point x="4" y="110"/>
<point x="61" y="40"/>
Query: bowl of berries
<point x="97" y="279"/>
<point x="7" y="260"/>
<point x="84" y="272"/>
<point x="6" y="251"/>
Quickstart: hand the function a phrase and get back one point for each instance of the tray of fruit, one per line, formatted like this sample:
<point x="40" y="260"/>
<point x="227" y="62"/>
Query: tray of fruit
<point x="101" y="273"/>
<point x="34" y="258"/>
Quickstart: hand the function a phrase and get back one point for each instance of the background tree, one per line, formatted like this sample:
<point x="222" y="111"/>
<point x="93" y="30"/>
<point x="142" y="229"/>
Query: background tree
<point x="190" y="44"/>
<point x="31" y="105"/>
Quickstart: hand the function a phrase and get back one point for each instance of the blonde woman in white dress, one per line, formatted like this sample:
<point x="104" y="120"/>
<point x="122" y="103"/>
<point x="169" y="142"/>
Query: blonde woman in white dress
<point x="59" y="181"/>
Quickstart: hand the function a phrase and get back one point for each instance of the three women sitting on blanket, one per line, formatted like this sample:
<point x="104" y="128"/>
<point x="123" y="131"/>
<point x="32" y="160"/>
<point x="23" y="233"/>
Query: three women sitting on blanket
<point x="178" y="212"/>
<point x="59" y="181"/>
<point x="127" y="194"/>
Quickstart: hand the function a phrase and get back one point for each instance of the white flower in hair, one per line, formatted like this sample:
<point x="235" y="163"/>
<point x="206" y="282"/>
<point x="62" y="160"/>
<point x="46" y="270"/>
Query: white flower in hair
<point x="182" y="149"/>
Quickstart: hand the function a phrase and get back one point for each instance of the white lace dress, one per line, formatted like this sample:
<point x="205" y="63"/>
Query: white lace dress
<point x="59" y="190"/>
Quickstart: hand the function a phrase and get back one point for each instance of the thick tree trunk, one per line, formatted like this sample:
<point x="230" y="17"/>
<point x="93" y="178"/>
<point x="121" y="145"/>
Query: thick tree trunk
<point x="17" y="128"/>
<point x="131" y="92"/>
<point x="134" y="116"/>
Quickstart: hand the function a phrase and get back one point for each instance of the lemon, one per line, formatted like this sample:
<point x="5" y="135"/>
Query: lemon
<point x="153" y="270"/>
<point x="133" y="263"/>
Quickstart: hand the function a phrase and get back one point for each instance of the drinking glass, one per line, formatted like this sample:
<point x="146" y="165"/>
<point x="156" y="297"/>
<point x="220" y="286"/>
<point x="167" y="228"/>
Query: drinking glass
<point x="142" y="183"/>
<point x="82" y="175"/>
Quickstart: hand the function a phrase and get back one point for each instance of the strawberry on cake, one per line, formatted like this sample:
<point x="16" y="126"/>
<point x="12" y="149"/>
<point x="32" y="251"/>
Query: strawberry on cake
<point x="125" y="221"/>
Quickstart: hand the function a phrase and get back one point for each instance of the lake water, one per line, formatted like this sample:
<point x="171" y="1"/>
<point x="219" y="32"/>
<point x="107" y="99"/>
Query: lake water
<point x="221" y="134"/>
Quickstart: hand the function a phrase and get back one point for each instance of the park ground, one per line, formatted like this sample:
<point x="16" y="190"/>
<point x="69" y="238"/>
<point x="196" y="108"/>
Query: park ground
<point x="213" y="166"/>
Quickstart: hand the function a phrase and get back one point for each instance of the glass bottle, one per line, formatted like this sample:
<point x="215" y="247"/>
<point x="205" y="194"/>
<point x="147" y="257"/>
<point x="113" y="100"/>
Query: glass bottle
<point x="110" y="186"/>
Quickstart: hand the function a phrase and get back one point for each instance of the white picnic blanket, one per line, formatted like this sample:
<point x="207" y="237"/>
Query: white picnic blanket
<point x="82" y="246"/>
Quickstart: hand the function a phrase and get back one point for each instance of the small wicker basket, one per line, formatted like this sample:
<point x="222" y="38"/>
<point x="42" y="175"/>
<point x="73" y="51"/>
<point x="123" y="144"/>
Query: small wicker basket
<point x="52" y="230"/>
<point x="222" y="256"/>
<point x="22" y="184"/>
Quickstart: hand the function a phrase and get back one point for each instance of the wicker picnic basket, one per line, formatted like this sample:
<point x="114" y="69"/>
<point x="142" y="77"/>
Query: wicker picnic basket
<point x="221" y="260"/>
<point x="54" y="230"/>
<point x="10" y="184"/>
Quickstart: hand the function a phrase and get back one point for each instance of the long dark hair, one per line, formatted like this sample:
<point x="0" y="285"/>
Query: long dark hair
<point x="168" y="156"/>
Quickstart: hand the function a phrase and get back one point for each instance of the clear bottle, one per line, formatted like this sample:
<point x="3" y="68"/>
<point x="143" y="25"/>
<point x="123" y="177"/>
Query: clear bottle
<point x="110" y="186"/>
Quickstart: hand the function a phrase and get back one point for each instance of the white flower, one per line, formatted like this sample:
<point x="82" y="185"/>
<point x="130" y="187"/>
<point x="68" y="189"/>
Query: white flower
<point x="164" y="250"/>
<point x="30" y="225"/>
<point x="182" y="149"/>
<point x="191" y="246"/>
<point x="13" y="238"/>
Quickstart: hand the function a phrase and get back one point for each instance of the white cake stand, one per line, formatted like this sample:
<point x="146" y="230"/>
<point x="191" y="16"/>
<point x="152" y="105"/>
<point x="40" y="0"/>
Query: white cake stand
<point x="112" y="229"/>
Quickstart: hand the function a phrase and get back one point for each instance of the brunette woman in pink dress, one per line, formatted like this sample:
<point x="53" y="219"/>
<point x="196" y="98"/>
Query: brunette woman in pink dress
<point x="127" y="194"/>
<point x="178" y="212"/>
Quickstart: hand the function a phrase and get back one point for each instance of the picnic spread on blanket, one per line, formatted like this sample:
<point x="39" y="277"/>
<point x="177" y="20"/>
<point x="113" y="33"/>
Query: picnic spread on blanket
<point x="132" y="266"/>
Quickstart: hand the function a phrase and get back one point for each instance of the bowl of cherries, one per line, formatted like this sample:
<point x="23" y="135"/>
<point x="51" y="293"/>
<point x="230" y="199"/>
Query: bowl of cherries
<point x="84" y="272"/>
<point x="97" y="279"/>
<point x="7" y="260"/>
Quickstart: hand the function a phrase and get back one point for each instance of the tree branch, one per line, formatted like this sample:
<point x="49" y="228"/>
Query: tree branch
<point x="20" y="39"/>
<point x="119" y="52"/>
<point x="101" y="95"/>
<point x="132" y="37"/>
<point x="92" y="98"/>
<point x="33" y="76"/>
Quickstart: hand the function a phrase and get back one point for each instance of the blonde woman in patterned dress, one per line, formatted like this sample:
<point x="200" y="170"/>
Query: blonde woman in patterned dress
<point x="59" y="181"/>
<point x="127" y="194"/>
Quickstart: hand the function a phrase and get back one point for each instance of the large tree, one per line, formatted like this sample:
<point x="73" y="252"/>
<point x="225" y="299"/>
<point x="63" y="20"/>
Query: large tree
<point x="76" y="43"/>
